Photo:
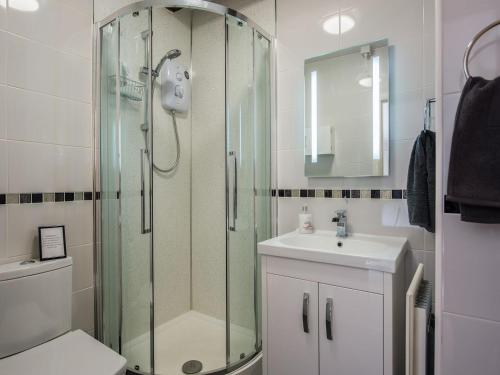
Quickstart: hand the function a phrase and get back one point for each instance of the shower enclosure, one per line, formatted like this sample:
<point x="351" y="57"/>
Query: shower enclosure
<point x="183" y="185"/>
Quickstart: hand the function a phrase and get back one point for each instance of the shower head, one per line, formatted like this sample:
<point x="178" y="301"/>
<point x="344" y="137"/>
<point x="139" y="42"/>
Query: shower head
<point x="170" y="55"/>
<point x="173" y="54"/>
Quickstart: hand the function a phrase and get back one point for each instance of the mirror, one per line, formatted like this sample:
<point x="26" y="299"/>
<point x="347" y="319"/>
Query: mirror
<point x="347" y="112"/>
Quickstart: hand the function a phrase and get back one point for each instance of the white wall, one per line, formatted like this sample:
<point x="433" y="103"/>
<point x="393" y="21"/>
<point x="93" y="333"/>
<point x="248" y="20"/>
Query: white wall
<point x="469" y="253"/>
<point x="208" y="246"/>
<point x="46" y="134"/>
<point x="409" y="27"/>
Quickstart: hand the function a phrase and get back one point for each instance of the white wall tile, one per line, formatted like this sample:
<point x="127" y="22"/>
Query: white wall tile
<point x="429" y="241"/>
<point x="83" y="310"/>
<point x="85" y="6"/>
<point x="3" y="123"/>
<point x="471" y="261"/>
<point x="406" y="115"/>
<point x="33" y="116"/>
<point x="3" y="167"/>
<point x="34" y="66"/>
<point x="429" y="60"/>
<point x="470" y="346"/>
<point x="77" y="172"/>
<point x="430" y="266"/>
<point x="412" y="259"/>
<point x="82" y="266"/>
<point x="291" y="169"/>
<point x="462" y="19"/>
<point x="78" y="221"/>
<point x="3" y="232"/>
<point x="3" y="14"/>
<point x="3" y="56"/>
<point x="55" y="24"/>
<point x="23" y="223"/>
<point x="450" y="104"/>
<point x="32" y="167"/>
<point x="406" y="64"/>
<point x="384" y="217"/>
<point x="290" y="128"/>
<point x="37" y="167"/>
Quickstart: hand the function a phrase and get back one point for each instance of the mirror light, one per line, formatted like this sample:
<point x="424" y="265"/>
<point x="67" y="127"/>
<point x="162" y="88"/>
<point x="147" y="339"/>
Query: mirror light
<point x="24" y="5"/>
<point x="314" y="116"/>
<point x="338" y="24"/>
<point x="376" y="107"/>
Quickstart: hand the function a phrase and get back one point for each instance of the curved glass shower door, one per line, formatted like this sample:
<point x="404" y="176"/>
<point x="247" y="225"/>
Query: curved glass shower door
<point x="126" y="192"/>
<point x="180" y="284"/>
<point x="248" y="124"/>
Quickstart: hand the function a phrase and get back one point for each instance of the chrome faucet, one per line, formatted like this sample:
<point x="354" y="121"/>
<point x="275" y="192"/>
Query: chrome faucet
<point x="341" y="220"/>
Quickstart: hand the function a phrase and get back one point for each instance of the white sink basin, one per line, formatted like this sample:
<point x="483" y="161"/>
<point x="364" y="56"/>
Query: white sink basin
<point x="380" y="253"/>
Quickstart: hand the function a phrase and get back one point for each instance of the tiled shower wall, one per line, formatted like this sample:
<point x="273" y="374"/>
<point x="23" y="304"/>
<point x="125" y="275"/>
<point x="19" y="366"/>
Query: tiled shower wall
<point x="470" y="257"/>
<point x="46" y="136"/>
<point x="409" y="28"/>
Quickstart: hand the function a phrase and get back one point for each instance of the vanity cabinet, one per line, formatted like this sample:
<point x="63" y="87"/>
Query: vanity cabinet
<point x="328" y="319"/>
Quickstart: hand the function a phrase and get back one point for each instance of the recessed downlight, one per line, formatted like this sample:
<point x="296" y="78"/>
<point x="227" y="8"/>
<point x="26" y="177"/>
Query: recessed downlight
<point x="366" y="81"/>
<point x="338" y="24"/>
<point x="24" y="5"/>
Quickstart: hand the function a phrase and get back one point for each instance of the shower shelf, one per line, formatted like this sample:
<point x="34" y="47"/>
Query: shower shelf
<point x="129" y="88"/>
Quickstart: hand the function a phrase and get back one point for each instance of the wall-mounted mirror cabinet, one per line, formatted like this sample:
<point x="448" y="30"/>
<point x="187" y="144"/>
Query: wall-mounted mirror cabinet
<point x="347" y="112"/>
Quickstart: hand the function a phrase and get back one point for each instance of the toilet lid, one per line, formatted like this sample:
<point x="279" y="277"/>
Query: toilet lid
<point x="74" y="353"/>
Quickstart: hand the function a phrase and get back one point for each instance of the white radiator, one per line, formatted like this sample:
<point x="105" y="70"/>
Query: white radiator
<point x="418" y="311"/>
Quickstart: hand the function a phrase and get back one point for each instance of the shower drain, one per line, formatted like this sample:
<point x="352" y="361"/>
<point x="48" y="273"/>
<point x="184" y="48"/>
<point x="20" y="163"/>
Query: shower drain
<point x="192" y="367"/>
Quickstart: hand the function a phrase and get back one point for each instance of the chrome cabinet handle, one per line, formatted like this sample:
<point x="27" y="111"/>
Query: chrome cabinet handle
<point x="305" y="312"/>
<point x="329" y="318"/>
<point x="232" y="225"/>
<point x="143" y="197"/>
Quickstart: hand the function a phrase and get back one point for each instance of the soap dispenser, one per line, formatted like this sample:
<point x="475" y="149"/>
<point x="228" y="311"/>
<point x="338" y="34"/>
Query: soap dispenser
<point x="305" y="222"/>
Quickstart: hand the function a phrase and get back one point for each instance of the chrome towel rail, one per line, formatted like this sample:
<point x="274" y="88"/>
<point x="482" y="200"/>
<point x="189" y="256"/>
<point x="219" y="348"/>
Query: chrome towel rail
<point x="472" y="43"/>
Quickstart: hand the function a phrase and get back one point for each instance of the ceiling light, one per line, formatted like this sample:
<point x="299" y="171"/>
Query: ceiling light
<point x="24" y="5"/>
<point x="366" y="81"/>
<point x="338" y="24"/>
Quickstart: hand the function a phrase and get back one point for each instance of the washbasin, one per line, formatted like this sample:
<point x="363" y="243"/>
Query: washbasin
<point x="380" y="253"/>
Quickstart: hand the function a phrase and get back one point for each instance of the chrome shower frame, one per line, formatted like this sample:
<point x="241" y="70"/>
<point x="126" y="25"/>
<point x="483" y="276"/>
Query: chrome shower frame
<point x="96" y="65"/>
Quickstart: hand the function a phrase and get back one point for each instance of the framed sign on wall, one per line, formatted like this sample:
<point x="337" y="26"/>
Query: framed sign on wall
<point x="52" y="242"/>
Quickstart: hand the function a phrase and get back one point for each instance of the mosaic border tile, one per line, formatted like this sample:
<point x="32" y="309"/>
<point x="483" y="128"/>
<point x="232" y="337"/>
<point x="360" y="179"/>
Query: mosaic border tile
<point x="384" y="194"/>
<point x="38" y="198"/>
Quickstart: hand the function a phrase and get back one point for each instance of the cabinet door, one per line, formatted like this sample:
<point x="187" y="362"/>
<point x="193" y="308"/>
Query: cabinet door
<point x="292" y="326"/>
<point x="350" y="332"/>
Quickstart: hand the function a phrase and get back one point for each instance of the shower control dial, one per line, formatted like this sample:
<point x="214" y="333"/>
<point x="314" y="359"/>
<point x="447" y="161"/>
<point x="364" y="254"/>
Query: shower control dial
<point x="179" y="91"/>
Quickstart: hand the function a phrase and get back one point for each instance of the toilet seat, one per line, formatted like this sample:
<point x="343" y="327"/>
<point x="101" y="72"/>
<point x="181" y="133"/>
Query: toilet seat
<point x="74" y="353"/>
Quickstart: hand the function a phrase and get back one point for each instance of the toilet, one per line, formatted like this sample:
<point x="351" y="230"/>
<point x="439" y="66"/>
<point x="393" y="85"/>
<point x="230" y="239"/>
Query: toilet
<point x="35" y="324"/>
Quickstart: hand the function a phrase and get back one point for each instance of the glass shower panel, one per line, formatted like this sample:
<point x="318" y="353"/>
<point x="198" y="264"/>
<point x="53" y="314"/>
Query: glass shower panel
<point x="109" y="167"/>
<point x="132" y="85"/>
<point x="262" y="93"/>
<point x="241" y="261"/>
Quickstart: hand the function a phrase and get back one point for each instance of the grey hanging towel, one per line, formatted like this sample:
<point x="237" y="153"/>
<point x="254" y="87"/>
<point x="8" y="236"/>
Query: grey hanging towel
<point x="474" y="173"/>
<point x="421" y="186"/>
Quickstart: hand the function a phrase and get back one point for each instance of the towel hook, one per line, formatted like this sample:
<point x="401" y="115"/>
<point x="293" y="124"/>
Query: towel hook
<point x="428" y="113"/>
<point x="472" y="43"/>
